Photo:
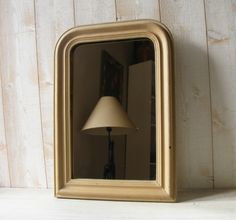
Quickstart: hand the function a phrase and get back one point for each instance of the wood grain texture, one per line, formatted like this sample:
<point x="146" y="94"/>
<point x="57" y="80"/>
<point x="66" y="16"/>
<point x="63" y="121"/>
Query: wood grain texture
<point x="52" y="19"/>
<point x="4" y="169"/>
<point x="186" y="21"/>
<point x="221" y="32"/>
<point x="137" y="9"/>
<point x="21" y="94"/>
<point x="28" y="132"/>
<point x="93" y="11"/>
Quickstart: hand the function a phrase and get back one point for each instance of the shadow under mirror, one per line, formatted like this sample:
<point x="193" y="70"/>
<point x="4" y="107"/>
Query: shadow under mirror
<point x="113" y="115"/>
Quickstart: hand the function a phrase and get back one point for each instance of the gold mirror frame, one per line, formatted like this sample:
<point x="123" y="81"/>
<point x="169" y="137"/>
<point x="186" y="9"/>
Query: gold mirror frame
<point x="164" y="187"/>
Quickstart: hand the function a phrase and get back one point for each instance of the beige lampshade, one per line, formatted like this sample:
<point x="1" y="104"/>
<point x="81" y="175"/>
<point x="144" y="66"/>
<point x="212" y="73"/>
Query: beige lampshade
<point x="108" y="113"/>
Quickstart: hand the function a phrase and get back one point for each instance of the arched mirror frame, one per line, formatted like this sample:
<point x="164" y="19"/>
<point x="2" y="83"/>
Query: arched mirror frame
<point x="164" y="187"/>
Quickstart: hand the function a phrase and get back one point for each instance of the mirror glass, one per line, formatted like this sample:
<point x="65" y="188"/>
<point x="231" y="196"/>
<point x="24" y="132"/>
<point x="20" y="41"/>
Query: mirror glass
<point x="124" y="69"/>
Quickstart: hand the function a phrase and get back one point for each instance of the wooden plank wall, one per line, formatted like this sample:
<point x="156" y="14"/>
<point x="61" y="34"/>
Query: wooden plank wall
<point x="205" y="50"/>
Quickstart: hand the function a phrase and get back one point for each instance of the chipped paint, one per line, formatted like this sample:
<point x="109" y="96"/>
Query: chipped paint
<point x="217" y="121"/>
<point x="217" y="41"/>
<point x="216" y="37"/>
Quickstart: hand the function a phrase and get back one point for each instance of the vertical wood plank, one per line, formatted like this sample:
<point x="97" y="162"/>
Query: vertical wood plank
<point x="221" y="32"/>
<point x="21" y="93"/>
<point x="4" y="169"/>
<point x="53" y="17"/>
<point x="137" y="9"/>
<point x="93" y="11"/>
<point x="21" y="103"/>
<point x="186" y="21"/>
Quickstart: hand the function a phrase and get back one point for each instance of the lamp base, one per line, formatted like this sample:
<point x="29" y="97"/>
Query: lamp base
<point x="109" y="168"/>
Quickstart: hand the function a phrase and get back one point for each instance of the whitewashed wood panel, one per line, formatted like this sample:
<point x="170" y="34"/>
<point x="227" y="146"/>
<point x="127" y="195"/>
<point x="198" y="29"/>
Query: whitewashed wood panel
<point x="93" y="11"/>
<point x="186" y="21"/>
<point x="21" y="94"/>
<point x="137" y="9"/>
<point x="27" y="137"/>
<point x="4" y="169"/>
<point x="221" y="32"/>
<point x="53" y="17"/>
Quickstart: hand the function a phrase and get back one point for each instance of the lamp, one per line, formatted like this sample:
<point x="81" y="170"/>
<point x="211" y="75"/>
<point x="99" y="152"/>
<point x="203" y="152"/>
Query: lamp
<point x="108" y="118"/>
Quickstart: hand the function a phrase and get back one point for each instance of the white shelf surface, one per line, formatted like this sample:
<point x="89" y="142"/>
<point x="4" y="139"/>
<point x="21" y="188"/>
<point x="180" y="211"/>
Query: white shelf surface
<point x="41" y="204"/>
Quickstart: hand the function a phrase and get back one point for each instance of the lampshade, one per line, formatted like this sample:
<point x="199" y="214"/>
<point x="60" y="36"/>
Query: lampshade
<point x="108" y="113"/>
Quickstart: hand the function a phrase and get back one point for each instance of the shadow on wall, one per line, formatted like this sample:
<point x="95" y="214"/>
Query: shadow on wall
<point x="193" y="116"/>
<point x="205" y="129"/>
<point x="223" y="122"/>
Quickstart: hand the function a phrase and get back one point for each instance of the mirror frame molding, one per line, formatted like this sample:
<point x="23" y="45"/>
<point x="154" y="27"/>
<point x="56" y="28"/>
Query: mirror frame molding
<point x="164" y="187"/>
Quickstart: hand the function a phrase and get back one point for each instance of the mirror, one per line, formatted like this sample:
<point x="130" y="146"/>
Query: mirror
<point x="124" y="69"/>
<point x="113" y="115"/>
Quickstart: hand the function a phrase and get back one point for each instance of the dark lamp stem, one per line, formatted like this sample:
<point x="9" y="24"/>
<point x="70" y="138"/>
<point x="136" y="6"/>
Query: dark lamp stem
<point x="109" y="168"/>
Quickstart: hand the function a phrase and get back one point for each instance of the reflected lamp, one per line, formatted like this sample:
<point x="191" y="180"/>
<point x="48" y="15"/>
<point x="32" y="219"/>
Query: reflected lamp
<point x="108" y="118"/>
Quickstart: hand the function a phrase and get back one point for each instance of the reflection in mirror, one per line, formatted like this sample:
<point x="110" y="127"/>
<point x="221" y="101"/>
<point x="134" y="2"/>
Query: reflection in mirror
<point x="112" y="93"/>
